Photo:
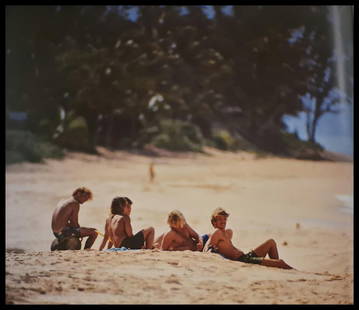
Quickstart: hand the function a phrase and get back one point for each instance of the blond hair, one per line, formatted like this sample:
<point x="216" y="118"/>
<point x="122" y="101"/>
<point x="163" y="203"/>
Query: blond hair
<point x="216" y="212"/>
<point x="83" y="190"/>
<point x="176" y="219"/>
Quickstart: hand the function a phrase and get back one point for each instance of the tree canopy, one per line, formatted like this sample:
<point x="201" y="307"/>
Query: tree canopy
<point x="122" y="72"/>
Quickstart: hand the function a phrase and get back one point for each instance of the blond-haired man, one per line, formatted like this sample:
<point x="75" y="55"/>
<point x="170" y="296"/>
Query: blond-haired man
<point x="220" y="241"/>
<point x="65" y="218"/>
<point x="181" y="236"/>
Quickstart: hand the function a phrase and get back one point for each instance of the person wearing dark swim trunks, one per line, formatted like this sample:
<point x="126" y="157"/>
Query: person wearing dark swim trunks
<point x="250" y="258"/>
<point x="134" y="242"/>
<point x="65" y="222"/>
<point x="220" y="241"/>
<point x="68" y="232"/>
<point x="118" y="229"/>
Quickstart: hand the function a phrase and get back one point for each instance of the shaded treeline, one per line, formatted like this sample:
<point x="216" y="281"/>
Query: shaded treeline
<point x="101" y="75"/>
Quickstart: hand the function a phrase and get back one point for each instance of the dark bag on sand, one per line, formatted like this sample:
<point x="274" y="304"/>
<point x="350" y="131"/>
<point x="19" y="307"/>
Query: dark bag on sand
<point x="69" y="243"/>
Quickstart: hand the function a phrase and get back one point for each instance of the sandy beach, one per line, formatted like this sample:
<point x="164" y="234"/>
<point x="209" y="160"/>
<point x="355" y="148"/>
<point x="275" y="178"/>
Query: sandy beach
<point x="300" y="204"/>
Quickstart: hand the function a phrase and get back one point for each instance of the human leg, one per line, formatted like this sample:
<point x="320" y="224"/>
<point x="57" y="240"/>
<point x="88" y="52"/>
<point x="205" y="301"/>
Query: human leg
<point x="135" y="242"/>
<point x="158" y="241"/>
<point x="269" y="247"/>
<point x="251" y="258"/>
<point x="91" y="234"/>
<point x="149" y="235"/>
<point x="279" y="263"/>
<point x="68" y="239"/>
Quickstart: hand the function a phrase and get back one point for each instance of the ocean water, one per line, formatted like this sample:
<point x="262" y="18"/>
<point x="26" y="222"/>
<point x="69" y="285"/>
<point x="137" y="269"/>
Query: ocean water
<point x="346" y="203"/>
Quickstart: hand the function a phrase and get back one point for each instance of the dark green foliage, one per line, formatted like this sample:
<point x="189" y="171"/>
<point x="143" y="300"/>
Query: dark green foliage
<point x="223" y="140"/>
<point x="75" y="136"/>
<point x="300" y="149"/>
<point x="176" y="135"/>
<point x="236" y="70"/>
<point x="24" y="146"/>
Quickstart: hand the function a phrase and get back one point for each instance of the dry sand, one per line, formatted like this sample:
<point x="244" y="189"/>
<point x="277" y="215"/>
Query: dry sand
<point x="266" y="198"/>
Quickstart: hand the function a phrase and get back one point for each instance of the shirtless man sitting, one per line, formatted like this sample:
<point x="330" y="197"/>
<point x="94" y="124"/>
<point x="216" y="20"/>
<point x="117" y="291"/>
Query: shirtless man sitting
<point x="65" y="218"/>
<point x="118" y="229"/>
<point x="220" y="242"/>
<point x="180" y="237"/>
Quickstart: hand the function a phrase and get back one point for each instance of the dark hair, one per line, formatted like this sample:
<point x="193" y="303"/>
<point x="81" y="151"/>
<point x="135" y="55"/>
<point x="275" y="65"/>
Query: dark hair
<point x="118" y="203"/>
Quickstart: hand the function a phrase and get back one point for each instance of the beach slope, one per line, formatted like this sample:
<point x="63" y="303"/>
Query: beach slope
<point x="294" y="202"/>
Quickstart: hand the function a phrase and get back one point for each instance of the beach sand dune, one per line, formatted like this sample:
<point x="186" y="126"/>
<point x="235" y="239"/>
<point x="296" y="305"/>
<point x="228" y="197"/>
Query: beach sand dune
<point x="148" y="276"/>
<point x="292" y="201"/>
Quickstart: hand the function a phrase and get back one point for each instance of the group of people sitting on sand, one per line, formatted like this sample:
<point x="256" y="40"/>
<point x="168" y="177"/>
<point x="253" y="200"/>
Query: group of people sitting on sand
<point x="180" y="237"/>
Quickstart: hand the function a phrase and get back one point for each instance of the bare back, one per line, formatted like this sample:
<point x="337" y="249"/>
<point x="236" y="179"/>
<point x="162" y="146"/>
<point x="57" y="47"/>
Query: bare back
<point x="119" y="228"/>
<point x="108" y="231"/>
<point x="65" y="214"/>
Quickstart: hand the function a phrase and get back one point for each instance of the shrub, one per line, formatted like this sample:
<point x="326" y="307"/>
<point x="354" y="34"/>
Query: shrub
<point x="13" y="157"/>
<point x="75" y="136"/>
<point x="224" y="141"/>
<point x="301" y="149"/>
<point x="49" y="150"/>
<point x="176" y="135"/>
<point x="24" y="146"/>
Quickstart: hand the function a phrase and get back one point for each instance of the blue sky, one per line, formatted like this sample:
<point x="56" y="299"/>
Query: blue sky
<point x="334" y="132"/>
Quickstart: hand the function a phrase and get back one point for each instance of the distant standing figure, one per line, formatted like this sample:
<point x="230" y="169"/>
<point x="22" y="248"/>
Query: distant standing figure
<point x="151" y="171"/>
<point x="220" y="242"/>
<point x="118" y="229"/>
<point x="181" y="236"/>
<point x="65" y="218"/>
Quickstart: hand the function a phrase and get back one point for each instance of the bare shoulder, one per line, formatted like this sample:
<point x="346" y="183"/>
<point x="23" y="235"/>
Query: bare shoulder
<point x="68" y="205"/>
<point x="115" y="218"/>
<point x="170" y="234"/>
<point x="120" y="218"/>
<point x="218" y="235"/>
<point x="126" y="218"/>
<point x="187" y="227"/>
<point x="108" y="219"/>
<point x="217" y="232"/>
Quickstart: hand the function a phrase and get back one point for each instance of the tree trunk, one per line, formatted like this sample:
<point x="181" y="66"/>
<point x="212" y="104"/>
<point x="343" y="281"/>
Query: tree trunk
<point x="314" y="128"/>
<point x="91" y="121"/>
